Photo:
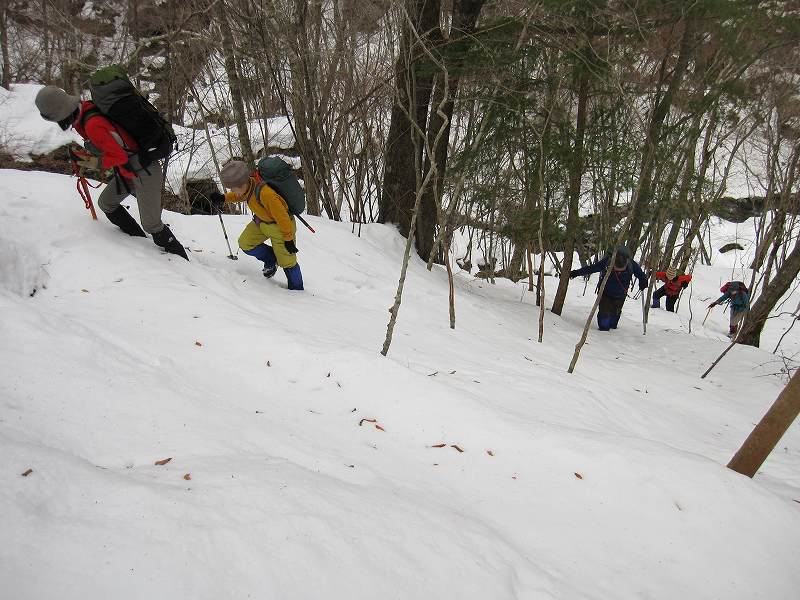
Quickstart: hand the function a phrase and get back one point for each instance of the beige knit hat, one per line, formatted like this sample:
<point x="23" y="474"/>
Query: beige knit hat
<point x="671" y="272"/>
<point x="234" y="174"/>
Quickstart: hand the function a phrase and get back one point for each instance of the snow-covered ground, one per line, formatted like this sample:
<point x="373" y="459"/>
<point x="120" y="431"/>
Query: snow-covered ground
<point x="608" y="483"/>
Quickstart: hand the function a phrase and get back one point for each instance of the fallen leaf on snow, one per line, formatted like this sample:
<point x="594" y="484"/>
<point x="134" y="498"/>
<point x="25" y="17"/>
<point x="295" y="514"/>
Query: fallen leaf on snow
<point x="26" y="473"/>
<point x="379" y="427"/>
<point x="163" y="461"/>
<point x="362" y="421"/>
<point x="188" y="477"/>
<point x="456" y="447"/>
<point x="198" y="344"/>
<point x="490" y="453"/>
<point x="442" y="445"/>
<point x="578" y="475"/>
<point x="84" y="290"/>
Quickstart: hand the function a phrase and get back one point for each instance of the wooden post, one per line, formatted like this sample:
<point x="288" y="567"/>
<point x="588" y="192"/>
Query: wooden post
<point x="763" y="439"/>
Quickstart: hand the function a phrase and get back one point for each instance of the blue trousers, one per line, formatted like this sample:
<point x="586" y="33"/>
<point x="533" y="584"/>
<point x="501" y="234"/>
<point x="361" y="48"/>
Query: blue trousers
<point x="609" y="312"/>
<point x="264" y="253"/>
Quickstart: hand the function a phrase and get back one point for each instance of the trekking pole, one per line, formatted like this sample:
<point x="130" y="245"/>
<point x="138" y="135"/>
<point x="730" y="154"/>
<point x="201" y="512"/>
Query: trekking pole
<point x="225" y="233"/>
<point x="710" y="308"/>
<point x="304" y="222"/>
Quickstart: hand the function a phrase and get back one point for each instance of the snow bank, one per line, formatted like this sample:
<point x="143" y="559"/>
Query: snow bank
<point x="22" y="130"/>
<point x="609" y="483"/>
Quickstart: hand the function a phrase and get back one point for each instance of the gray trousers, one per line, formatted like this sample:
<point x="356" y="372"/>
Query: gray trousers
<point x="145" y="187"/>
<point x="737" y="318"/>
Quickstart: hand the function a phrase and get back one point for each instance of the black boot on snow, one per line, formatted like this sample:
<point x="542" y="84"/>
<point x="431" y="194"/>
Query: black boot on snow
<point x="167" y="241"/>
<point x="123" y="219"/>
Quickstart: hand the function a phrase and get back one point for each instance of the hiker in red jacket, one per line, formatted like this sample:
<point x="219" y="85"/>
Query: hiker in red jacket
<point x="673" y="285"/>
<point x="111" y="147"/>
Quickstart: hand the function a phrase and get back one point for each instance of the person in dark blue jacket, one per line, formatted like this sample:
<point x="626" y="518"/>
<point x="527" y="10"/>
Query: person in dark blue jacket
<point x="616" y="289"/>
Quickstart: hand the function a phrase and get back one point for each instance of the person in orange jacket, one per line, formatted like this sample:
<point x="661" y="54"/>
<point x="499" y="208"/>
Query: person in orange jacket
<point x="271" y="222"/>
<point x="673" y="285"/>
<point x="117" y="150"/>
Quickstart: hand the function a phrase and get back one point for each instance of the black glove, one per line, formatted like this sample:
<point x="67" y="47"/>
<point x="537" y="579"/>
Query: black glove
<point x="642" y="286"/>
<point x="290" y="247"/>
<point x="217" y="201"/>
<point x="573" y="274"/>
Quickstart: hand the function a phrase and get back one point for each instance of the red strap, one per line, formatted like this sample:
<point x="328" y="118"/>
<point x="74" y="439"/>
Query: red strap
<point x="83" y="189"/>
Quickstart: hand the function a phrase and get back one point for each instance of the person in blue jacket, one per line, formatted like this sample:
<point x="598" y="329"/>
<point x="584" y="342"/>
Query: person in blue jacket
<point x="616" y="289"/>
<point x="737" y="295"/>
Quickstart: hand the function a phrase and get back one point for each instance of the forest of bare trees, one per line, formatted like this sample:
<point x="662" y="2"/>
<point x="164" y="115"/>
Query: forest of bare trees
<point x="539" y="130"/>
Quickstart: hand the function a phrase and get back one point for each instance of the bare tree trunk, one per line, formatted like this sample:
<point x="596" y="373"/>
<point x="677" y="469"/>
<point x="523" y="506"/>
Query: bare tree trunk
<point x="590" y="318"/>
<point x="757" y="317"/>
<point x="574" y="192"/>
<point x="681" y="203"/>
<point x="413" y="92"/>
<point x="530" y="267"/>
<point x="6" y="77"/>
<point x="654" y="132"/>
<point x="766" y="435"/>
<point x="422" y="184"/>
<point x="465" y="15"/>
<point x="451" y="286"/>
<point x="395" y="309"/>
<point x="233" y="81"/>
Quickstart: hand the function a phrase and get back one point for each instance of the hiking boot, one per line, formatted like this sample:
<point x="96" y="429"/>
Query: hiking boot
<point x="269" y="270"/>
<point x="167" y="241"/>
<point x="123" y="219"/>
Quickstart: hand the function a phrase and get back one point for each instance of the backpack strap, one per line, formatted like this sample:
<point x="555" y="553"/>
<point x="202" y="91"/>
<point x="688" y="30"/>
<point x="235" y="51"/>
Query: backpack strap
<point x="260" y="185"/>
<point x="88" y="114"/>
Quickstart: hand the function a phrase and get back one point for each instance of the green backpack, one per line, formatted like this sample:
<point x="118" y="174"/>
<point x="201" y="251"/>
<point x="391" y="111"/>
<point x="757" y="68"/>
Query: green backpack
<point x="118" y="100"/>
<point x="279" y="175"/>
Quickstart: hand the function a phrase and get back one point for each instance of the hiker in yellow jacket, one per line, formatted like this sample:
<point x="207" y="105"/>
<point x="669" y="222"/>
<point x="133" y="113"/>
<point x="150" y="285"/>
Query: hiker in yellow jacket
<point x="271" y="221"/>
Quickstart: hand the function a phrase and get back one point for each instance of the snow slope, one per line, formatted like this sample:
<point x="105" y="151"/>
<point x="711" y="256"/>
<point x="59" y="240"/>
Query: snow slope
<point x="608" y="483"/>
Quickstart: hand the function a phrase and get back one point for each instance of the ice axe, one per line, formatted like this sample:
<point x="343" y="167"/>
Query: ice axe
<point x="304" y="222"/>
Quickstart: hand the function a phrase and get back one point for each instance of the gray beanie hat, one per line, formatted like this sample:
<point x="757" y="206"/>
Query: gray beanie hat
<point x="55" y="104"/>
<point x="234" y="174"/>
